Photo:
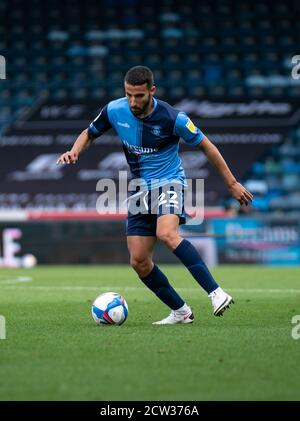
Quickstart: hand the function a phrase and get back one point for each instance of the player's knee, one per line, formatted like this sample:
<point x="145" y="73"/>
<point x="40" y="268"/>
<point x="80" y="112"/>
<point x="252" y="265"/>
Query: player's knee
<point x="141" y="265"/>
<point x="165" y="236"/>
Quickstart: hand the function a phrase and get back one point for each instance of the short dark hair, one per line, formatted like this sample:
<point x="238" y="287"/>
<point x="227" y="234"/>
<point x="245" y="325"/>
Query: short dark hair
<point x="138" y="75"/>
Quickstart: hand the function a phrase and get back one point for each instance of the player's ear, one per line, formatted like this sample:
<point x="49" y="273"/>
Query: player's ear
<point x="152" y="90"/>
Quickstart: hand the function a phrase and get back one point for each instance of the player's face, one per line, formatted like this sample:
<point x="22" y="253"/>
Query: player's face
<point x="139" y="97"/>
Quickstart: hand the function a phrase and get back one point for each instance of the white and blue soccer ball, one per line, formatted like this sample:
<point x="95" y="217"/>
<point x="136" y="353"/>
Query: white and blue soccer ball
<point x="110" y="308"/>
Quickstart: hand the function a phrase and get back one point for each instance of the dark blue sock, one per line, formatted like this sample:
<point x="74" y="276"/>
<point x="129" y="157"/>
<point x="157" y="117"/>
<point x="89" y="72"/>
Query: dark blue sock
<point x="159" y="284"/>
<point x="190" y="257"/>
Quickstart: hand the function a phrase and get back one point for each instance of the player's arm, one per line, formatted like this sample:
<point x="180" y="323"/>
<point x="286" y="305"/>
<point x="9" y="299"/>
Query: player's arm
<point x="192" y="135"/>
<point x="239" y="192"/>
<point x="100" y="125"/>
<point x="82" y="142"/>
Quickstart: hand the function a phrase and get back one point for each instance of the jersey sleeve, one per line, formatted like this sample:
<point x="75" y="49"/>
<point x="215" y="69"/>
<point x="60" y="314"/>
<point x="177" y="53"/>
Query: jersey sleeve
<point x="185" y="128"/>
<point x="101" y="124"/>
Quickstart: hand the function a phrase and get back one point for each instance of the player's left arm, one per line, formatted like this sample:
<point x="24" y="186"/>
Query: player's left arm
<point x="237" y="190"/>
<point x="192" y="135"/>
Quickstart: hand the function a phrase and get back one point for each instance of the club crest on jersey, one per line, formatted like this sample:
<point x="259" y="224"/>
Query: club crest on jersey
<point x="191" y="126"/>
<point x="156" y="131"/>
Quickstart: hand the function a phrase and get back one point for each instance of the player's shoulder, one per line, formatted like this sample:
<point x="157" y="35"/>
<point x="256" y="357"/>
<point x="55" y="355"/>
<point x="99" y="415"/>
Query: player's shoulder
<point x="118" y="108"/>
<point x="118" y="104"/>
<point x="164" y="107"/>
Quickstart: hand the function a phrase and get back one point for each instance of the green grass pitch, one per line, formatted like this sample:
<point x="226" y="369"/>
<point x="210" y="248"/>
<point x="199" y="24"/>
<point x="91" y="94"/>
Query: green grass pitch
<point x="54" y="350"/>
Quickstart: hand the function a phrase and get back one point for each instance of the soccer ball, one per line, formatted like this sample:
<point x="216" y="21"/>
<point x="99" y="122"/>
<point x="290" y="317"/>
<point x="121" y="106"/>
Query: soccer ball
<point x="109" y="308"/>
<point x="28" y="261"/>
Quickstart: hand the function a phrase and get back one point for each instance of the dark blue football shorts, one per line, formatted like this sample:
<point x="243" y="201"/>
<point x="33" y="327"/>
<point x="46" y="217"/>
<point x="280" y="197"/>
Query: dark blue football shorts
<point x="144" y="207"/>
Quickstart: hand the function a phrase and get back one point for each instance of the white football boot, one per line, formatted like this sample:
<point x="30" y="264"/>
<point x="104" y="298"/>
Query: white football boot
<point x="182" y="315"/>
<point x="220" y="301"/>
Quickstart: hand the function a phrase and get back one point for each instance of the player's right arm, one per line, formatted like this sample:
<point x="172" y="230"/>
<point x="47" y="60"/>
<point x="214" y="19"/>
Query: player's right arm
<point x="82" y="142"/>
<point x="100" y="125"/>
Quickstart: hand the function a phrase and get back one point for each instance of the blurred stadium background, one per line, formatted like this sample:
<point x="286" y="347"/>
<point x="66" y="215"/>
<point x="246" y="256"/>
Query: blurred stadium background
<point x="228" y="64"/>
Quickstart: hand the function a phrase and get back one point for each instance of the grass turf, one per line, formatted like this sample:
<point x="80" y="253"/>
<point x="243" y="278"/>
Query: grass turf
<point x="55" y="351"/>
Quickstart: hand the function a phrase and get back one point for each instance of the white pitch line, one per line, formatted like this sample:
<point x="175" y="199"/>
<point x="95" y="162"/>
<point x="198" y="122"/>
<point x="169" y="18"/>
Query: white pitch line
<point x="127" y="288"/>
<point x="15" y="280"/>
<point x="271" y="291"/>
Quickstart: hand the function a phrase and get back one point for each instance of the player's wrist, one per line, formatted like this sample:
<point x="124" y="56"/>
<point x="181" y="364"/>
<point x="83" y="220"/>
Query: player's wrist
<point x="231" y="184"/>
<point x="74" y="152"/>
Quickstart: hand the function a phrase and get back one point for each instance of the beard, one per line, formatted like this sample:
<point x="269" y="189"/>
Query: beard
<point x="141" y="110"/>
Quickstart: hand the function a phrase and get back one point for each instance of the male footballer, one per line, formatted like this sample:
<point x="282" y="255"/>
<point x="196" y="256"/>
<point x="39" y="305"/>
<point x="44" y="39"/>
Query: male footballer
<point x="149" y="130"/>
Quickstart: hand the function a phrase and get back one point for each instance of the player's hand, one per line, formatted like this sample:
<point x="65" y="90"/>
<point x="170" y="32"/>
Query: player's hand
<point x="242" y="195"/>
<point x="68" y="158"/>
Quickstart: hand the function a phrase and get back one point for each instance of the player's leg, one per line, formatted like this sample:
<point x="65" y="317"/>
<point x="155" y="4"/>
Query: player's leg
<point x="167" y="232"/>
<point x="141" y="250"/>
